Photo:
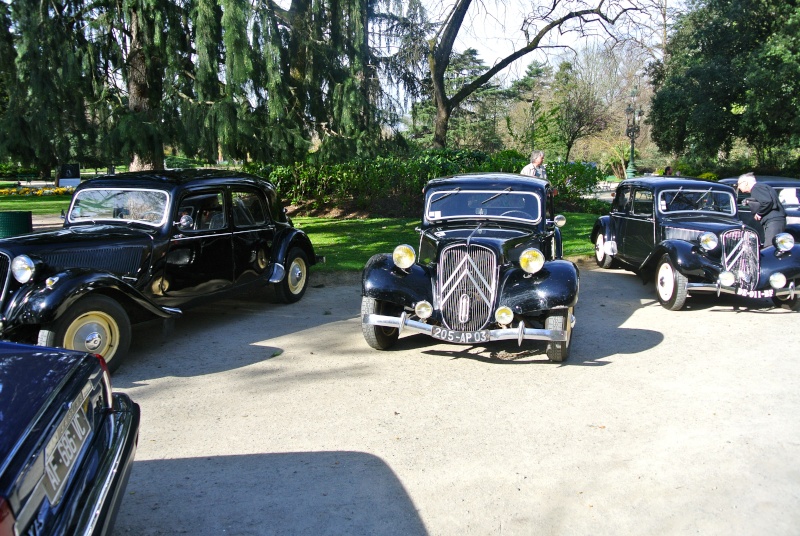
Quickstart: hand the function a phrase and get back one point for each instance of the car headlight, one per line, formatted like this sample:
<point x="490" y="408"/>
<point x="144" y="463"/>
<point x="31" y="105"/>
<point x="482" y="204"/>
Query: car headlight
<point x="777" y="280"/>
<point x="560" y="220"/>
<point x="23" y="268"/>
<point x="423" y="309"/>
<point x="708" y="241"/>
<point x="784" y="241"/>
<point x="531" y="260"/>
<point x="403" y="256"/>
<point x="727" y="279"/>
<point x="504" y="315"/>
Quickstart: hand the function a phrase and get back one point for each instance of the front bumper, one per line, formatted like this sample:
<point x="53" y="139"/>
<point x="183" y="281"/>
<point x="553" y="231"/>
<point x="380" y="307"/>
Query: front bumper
<point x="787" y="292"/>
<point x="519" y="334"/>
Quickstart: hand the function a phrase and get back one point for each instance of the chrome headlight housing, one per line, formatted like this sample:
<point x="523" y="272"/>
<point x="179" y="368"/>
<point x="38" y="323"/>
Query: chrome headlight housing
<point x="531" y="260"/>
<point x="727" y="279"/>
<point x="504" y="315"/>
<point x="23" y="268"/>
<point x="560" y="220"/>
<point x="403" y="256"/>
<point x="423" y="309"/>
<point x="784" y="241"/>
<point x="777" y="280"/>
<point x="708" y="241"/>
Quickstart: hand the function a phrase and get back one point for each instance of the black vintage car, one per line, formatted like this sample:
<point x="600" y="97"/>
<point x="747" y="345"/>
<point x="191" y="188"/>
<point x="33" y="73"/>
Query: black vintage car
<point x="67" y="442"/>
<point x="146" y="245"/>
<point x="685" y="235"/>
<point x="489" y="268"/>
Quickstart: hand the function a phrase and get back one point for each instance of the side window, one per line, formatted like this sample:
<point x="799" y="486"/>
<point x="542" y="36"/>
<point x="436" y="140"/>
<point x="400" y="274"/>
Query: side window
<point x="248" y="209"/>
<point x="207" y="209"/>
<point x="643" y="202"/>
<point x="622" y="200"/>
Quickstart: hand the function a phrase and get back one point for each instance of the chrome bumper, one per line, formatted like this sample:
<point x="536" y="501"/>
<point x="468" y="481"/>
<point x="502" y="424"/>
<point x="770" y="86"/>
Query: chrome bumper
<point x="788" y="292"/>
<point x="519" y="334"/>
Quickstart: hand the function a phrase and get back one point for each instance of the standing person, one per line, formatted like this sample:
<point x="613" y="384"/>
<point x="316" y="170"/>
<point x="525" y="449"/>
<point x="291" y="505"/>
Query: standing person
<point x="668" y="171"/>
<point x="536" y="167"/>
<point x="765" y="206"/>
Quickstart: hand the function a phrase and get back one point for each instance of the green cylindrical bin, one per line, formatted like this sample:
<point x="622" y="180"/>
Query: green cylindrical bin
<point x="15" y="223"/>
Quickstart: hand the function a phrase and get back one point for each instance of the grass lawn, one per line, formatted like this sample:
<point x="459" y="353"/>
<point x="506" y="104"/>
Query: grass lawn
<point x="41" y="205"/>
<point x="347" y="244"/>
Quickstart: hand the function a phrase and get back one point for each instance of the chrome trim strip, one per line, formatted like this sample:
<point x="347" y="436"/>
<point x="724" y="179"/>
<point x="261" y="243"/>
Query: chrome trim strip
<point x="512" y="334"/>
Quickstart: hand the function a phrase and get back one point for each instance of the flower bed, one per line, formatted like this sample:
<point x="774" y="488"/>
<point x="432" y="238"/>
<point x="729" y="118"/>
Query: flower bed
<point x="37" y="192"/>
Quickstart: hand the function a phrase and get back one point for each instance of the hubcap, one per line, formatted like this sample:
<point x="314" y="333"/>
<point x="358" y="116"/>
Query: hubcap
<point x="666" y="282"/>
<point x="94" y="332"/>
<point x="297" y="276"/>
<point x="598" y="247"/>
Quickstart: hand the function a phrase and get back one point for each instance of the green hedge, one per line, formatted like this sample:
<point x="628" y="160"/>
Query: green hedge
<point x="397" y="182"/>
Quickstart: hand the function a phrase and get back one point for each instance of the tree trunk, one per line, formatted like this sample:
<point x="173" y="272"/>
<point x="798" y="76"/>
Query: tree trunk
<point x="142" y="95"/>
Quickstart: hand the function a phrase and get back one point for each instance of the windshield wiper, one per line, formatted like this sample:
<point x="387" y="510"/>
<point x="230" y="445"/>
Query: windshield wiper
<point x="674" y="197"/>
<point x="448" y="194"/>
<point x="697" y="203"/>
<point x="495" y="196"/>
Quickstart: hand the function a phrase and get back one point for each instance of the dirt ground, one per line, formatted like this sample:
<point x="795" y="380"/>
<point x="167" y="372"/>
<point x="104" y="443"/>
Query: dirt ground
<point x="259" y="418"/>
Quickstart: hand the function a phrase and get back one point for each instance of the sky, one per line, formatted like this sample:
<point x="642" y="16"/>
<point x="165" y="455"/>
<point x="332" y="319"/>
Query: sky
<point x="494" y="35"/>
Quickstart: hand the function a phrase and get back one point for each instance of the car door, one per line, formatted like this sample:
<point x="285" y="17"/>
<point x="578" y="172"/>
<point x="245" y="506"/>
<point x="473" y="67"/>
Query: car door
<point x="253" y="234"/>
<point x="619" y="216"/>
<point x="199" y="259"/>
<point x="640" y="226"/>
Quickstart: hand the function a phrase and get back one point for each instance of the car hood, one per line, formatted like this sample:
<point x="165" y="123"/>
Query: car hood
<point x="712" y="223"/>
<point x="103" y="247"/>
<point x="498" y="239"/>
<point x="29" y="376"/>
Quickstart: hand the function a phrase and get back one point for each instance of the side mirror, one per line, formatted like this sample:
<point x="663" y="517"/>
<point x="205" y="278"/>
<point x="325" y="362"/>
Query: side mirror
<point x="186" y="223"/>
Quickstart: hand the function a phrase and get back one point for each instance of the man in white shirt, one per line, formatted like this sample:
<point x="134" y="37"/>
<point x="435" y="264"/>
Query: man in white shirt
<point x="536" y="167"/>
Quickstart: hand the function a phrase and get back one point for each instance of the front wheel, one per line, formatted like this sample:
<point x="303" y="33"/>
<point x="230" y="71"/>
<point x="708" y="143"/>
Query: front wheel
<point x="791" y="304"/>
<point x="670" y="285"/>
<point x="294" y="284"/>
<point x="95" y="324"/>
<point x="560" y="319"/>
<point x="378" y="337"/>
<point x="603" y="259"/>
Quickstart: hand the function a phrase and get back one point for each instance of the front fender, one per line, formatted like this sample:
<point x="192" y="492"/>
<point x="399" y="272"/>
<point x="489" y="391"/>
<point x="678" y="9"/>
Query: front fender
<point x="686" y="257"/>
<point x="288" y="238"/>
<point x="384" y="281"/>
<point x="602" y="226"/>
<point x="39" y="304"/>
<point x="787" y="263"/>
<point x="554" y="286"/>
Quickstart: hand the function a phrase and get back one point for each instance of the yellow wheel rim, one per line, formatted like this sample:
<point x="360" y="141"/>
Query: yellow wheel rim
<point x="95" y="332"/>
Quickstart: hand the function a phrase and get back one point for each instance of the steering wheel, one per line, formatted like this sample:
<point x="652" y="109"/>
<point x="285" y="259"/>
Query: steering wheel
<point x="517" y="213"/>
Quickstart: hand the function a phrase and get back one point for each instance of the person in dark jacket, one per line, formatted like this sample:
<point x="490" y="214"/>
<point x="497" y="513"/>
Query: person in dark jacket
<point x="765" y="205"/>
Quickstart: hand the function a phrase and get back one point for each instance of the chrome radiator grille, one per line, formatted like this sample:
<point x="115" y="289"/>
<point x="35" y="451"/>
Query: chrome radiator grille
<point x="740" y="256"/>
<point x="5" y="275"/>
<point x="466" y="287"/>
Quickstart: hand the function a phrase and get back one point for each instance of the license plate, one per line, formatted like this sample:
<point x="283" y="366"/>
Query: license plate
<point x="62" y="452"/>
<point x="755" y="293"/>
<point x="461" y="337"/>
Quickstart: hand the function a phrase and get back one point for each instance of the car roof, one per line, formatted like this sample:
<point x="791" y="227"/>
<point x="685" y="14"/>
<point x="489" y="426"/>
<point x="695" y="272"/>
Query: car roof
<point x="491" y="181"/>
<point x="662" y="183"/>
<point x="772" y="180"/>
<point x="170" y="178"/>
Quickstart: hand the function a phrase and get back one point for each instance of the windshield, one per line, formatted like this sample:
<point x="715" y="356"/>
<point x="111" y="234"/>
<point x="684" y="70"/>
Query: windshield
<point x="119" y="205"/>
<point x="483" y="204"/>
<point x="696" y="200"/>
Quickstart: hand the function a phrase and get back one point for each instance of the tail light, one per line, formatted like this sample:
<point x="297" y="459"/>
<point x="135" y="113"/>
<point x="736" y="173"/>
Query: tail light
<point x="6" y="519"/>
<point x="107" y="395"/>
